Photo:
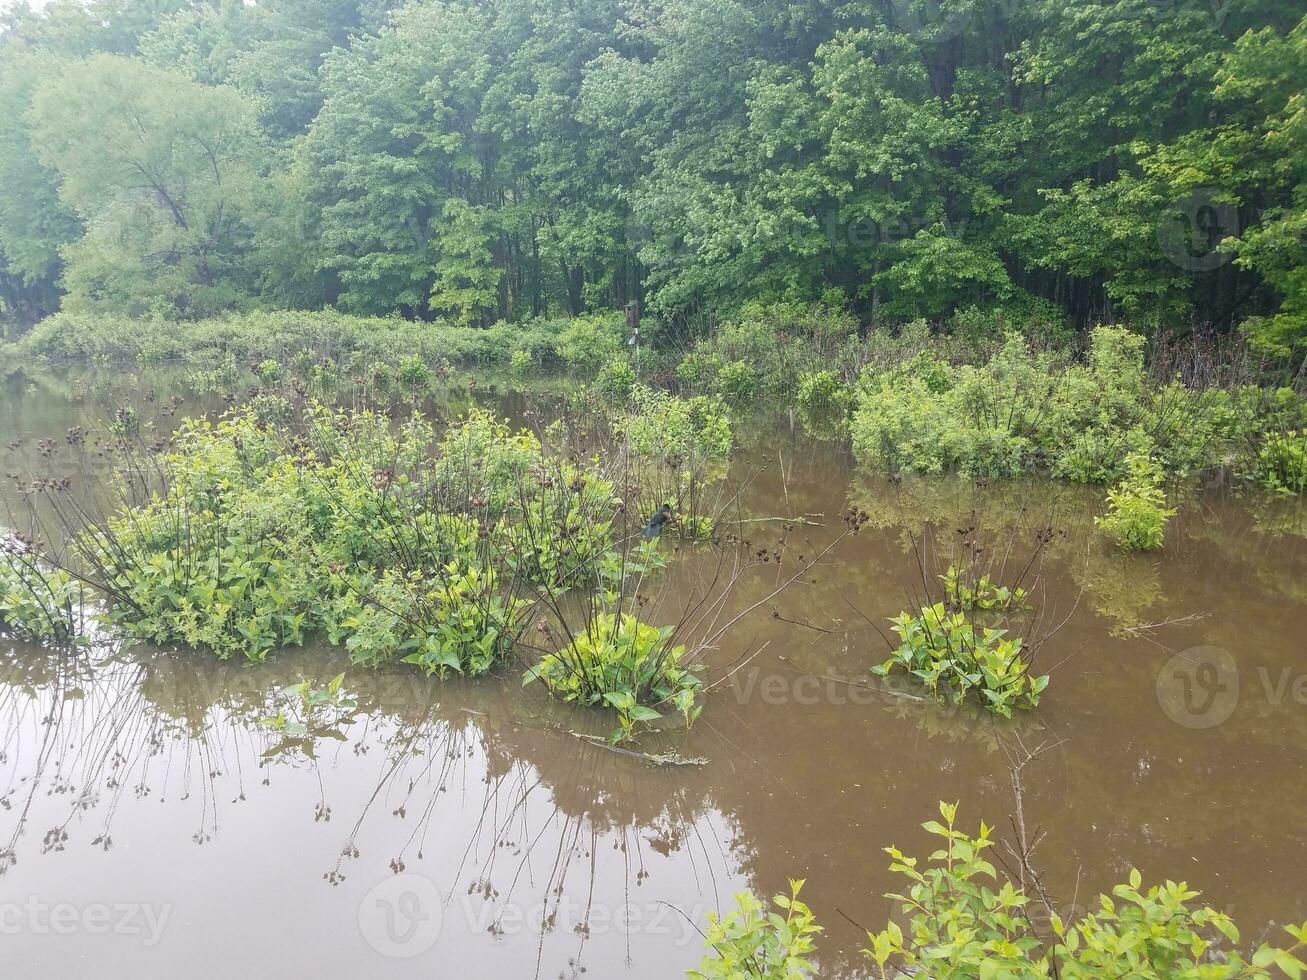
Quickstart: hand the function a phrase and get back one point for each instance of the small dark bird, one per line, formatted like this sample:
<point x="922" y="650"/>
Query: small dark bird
<point x="658" y="522"/>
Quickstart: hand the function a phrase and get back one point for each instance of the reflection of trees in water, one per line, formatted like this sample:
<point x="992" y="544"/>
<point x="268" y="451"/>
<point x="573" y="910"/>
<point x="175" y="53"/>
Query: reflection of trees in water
<point x="543" y="817"/>
<point x="87" y="732"/>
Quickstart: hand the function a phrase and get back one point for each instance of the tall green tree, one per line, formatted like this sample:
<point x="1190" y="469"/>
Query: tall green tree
<point x="160" y="170"/>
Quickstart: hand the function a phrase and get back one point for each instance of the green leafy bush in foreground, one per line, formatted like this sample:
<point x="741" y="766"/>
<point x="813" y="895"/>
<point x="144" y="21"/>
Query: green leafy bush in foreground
<point x="1136" y="507"/>
<point x="624" y="664"/>
<point x="964" y="922"/>
<point x="752" y="942"/>
<point x="1281" y="463"/>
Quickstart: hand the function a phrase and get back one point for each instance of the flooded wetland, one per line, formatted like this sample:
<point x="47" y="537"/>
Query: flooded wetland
<point x="155" y="819"/>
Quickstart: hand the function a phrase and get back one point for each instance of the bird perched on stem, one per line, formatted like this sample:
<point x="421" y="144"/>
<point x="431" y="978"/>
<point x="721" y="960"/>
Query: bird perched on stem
<point x="658" y="522"/>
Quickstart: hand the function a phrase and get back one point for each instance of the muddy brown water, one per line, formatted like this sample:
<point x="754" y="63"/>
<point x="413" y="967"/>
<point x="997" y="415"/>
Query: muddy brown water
<point x="152" y="825"/>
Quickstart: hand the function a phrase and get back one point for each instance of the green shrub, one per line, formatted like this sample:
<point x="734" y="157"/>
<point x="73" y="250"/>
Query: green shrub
<point x="1281" y="462"/>
<point x="37" y="602"/>
<point x="662" y="425"/>
<point x="1136" y="507"/>
<point x="589" y="342"/>
<point x="454" y="619"/>
<point x="521" y="363"/>
<point x="616" y="379"/>
<point x="621" y="663"/>
<point x="268" y="371"/>
<point x="737" y="381"/>
<point x="947" y="653"/>
<point x="965" y="593"/>
<point x="1021" y="410"/>
<point x="352" y="529"/>
<point x="750" y="942"/>
<point x="962" y="922"/>
<point x="413" y="372"/>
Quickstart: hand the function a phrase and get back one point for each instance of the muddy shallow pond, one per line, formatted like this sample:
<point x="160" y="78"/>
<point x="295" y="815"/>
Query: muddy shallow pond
<point x="152" y="824"/>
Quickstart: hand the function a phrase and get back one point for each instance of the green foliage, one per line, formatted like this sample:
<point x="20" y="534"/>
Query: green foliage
<point x="388" y="541"/>
<point x="963" y="923"/>
<point x="255" y="337"/>
<point x="413" y="372"/>
<point x="36" y="601"/>
<point x="948" y="653"/>
<point x="161" y="170"/>
<point x="455" y="620"/>
<point x="737" y="382"/>
<point x="1136" y="507"/>
<point x="1022" y="410"/>
<point x="616" y="379"/>
<point x="750" y="942"/>
<point x="268" y="371"/>
<point x="964" y="593"/>
<point x="479" y="163"/>
<point x="660" y="425"/>
<point x="1281" y="463"/>
<point x="625" y="665"/>
<point x="588" y="343"/>
<point x="521" y="363"/>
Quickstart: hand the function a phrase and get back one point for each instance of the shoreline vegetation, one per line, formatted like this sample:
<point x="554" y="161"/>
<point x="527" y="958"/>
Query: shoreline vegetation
<point x="977" y="397"/>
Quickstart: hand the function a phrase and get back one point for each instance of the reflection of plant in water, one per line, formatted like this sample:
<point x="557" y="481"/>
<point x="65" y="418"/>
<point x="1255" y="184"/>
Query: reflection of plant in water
<point x="312" y="708"/>
<point x="1122" y="588"/>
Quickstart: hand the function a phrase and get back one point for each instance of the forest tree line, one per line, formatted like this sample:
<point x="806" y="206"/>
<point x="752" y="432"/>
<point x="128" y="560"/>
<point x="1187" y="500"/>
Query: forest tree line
<point x="486" y="160"/>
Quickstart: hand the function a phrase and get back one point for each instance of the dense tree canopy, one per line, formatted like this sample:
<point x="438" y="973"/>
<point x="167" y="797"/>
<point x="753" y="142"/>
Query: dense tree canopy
<point x="483" y="160"/>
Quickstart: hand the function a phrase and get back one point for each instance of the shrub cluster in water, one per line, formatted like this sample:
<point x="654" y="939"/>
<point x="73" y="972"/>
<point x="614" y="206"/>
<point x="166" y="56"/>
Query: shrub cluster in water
<point x="388" y="540"/>
<point x="1024" y="410"/>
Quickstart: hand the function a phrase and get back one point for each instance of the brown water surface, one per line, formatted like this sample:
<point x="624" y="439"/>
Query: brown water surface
<point x="151" y="825"/>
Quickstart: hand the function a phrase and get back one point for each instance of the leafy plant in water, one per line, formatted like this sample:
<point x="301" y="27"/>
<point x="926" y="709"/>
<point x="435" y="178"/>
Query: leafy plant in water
<point x="1281" y="463"/>
<point x="521" y="363"/>
<point x="737" y="381"/>
<point x="750" y="942"/>
<point x="616" y="379"/>
<point x="36" y="602"/>
<point x="268" y="371"/>
<point x="413" y="372"/>
<point x="952" y="657"/>
<point x="626" y="665"/>
<point x="1136" y="507"/>
<point x="964" y="593"/>
<point x="962" y="922"/>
